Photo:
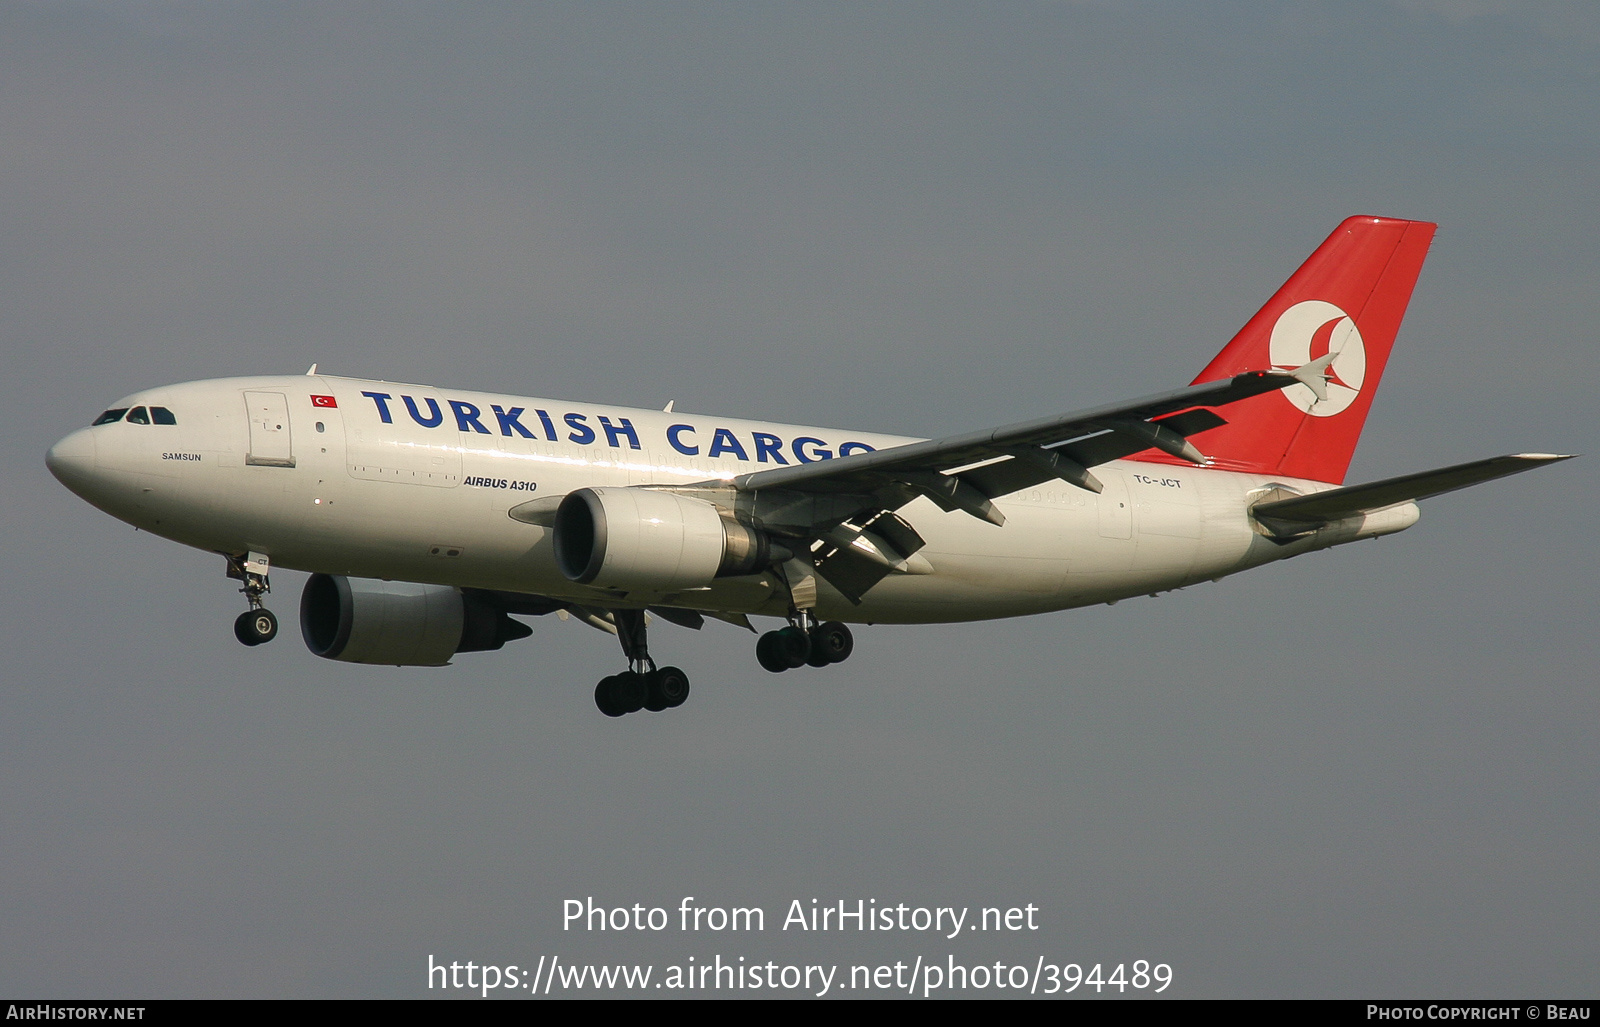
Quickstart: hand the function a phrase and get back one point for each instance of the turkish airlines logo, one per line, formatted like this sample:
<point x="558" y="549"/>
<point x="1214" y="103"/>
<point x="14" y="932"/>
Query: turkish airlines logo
<point x="1312" y="329"/>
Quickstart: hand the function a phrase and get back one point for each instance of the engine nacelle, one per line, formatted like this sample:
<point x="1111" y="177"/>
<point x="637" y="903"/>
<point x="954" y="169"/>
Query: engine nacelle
<point x="651" y="541"/>
<point x="399" y="623"/>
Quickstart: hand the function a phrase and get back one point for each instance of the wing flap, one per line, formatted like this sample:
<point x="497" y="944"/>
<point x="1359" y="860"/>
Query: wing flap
<point x="1108" y="446"/>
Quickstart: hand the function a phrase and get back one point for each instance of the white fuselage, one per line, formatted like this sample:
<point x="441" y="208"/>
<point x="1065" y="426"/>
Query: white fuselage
<point x="414" y="483"/>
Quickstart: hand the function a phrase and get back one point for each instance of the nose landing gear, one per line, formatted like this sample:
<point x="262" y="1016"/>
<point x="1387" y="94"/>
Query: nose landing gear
<point x="254" y="627"/>
<point x="257" y="624"/>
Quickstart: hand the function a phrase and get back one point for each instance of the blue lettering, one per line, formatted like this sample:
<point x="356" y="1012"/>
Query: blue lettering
<point x="509" y="421"/>
<point x="677" y="443"/>
<point x="382" y="399"/>
<point x="768" y="445"/>
<point x="549" y="429"/>
<point x="582" y="434"/>
<point x="818" y="453"/>
<point x="724" y="442"/>
<point x="433" y="408"/>
<point x="467" y="414"/>
<point x="847" y="448"/>
<point x="614" y="430"/>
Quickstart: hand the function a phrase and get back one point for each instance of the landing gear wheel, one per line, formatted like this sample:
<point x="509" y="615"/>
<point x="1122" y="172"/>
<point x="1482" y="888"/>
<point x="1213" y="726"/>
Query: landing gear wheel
<point x="831" y="642"/>
<point x="653" y="700"/>
<point x="794" y="645"/>
<point x="254" y="627"/>
<point x="667" y="688"/>
<point x="770" y="653"/>
<point x="629" y="690"/>
<point x="605" y="697"/>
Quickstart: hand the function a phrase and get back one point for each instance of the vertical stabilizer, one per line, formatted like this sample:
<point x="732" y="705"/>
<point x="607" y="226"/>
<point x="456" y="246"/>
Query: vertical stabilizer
<point x="1348" y="300"/>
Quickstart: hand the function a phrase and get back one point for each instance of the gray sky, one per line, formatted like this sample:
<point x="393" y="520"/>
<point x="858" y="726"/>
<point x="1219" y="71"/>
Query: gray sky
<point x="1370" y="772"/>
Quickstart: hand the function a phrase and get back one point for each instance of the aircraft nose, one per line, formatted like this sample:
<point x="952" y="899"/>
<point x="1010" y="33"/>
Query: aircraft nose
<point x="73" y="460"/>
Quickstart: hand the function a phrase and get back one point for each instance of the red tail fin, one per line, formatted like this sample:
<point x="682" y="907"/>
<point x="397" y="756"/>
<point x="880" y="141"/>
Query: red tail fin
<point x="1348" y="298"/>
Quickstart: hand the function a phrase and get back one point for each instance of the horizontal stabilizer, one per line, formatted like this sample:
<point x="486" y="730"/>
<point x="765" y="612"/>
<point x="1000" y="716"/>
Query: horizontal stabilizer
<point x="1352" y="500"/>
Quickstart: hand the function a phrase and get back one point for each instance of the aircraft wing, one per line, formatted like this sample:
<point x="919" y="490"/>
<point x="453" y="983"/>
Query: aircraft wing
<point x="1302" y="513"/>
<point x="846" y="507"/>
<point x="964" y="472"/>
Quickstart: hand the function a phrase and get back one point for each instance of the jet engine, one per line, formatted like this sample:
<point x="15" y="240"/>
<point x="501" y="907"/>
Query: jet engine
<point x="400" y="623"/>
<point x="647" y="540"/>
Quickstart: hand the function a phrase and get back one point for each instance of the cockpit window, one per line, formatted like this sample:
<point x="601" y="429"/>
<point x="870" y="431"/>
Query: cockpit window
<point x="161" y="415"/>
<point x="109" y="416"/>
<point x="138" y="416"/>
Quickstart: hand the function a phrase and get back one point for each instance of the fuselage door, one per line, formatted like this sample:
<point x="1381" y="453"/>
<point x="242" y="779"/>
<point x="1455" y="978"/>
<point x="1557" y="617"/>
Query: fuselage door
<point x="1116" y="519"/>
<point x="270" y="443"/>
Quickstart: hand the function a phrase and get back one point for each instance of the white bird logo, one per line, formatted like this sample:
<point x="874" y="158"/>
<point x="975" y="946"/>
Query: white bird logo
<point x="1315" y="328"/>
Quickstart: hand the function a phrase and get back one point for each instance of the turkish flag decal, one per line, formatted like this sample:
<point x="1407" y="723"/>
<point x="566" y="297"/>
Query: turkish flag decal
<point x="324" y="401"/>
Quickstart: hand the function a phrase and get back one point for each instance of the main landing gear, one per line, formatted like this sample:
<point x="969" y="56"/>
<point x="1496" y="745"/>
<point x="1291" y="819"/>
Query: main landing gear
<point x="643" y="686"/>
<point x="805" y="644"/>
<point x="257" y="624"/>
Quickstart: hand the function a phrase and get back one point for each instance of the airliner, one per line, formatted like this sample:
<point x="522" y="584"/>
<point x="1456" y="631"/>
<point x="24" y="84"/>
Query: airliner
<point x="430" y="519"/>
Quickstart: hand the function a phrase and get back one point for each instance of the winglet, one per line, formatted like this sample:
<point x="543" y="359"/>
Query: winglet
<point x="1314" y="375"/>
